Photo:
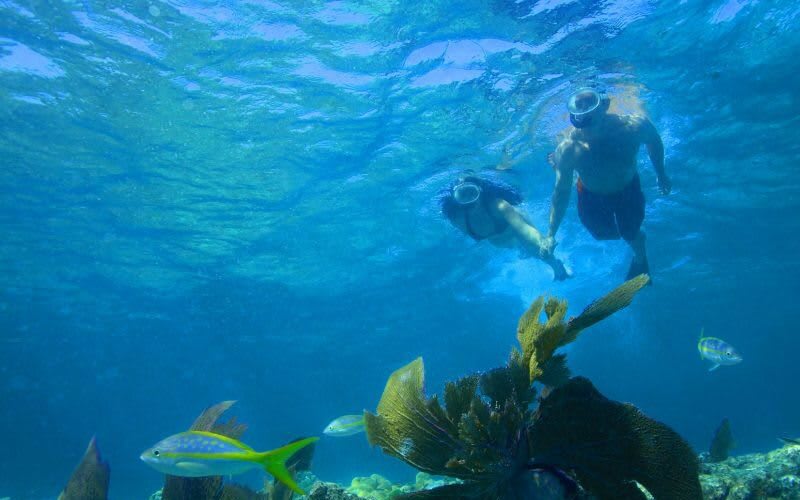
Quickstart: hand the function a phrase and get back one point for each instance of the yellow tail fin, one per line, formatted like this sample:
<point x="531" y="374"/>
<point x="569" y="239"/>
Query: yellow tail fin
<point x="274" y="462"/>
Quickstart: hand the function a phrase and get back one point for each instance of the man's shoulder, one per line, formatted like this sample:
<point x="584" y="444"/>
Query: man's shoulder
<point x="634" y="122"/>
<point x="632" y="126"/>
<point x="570" y="144"/>
<point x="569" y="140"/>
<point x="641" y="127"/>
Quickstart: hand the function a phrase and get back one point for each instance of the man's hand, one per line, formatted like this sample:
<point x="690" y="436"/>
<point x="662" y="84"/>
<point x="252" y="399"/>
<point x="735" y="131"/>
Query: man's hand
<point x="664" y="185"/>
<point x="547" y="247"/>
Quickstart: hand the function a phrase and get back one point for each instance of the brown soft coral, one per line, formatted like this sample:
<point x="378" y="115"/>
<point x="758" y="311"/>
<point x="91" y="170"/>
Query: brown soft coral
<point x="90" y="479"/>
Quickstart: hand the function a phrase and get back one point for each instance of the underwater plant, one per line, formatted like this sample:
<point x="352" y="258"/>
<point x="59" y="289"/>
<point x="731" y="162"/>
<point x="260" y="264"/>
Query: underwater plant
<point x="90" y="479"/>
<point x="721" y="443"/>
<point x="503" y="443"/>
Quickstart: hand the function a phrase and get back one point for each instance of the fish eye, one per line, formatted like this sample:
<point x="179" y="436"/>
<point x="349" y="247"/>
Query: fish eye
<point x="729" y="353"/>
<point x="156" y="453"/>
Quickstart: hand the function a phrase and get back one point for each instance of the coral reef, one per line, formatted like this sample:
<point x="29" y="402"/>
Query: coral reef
<point x="90" y="479"/>
<point x="610" y="446"/>
<point x="488" y="435"/>
<point x="329" y="491"/>
<point x="374" y="486"/>
<point x="774" y="475"/>
<point x="722" y="442"/>
<point x="379" y="488"/>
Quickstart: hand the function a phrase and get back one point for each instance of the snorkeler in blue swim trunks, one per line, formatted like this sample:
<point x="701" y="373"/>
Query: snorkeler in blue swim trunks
<point x="602" y="147"/>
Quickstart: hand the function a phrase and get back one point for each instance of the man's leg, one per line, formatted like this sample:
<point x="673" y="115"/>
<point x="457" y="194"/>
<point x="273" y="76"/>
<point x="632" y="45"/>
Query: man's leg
<point x="639" y="264"/>
<point x="559" y="271"/>
<point x="630" y="215"/>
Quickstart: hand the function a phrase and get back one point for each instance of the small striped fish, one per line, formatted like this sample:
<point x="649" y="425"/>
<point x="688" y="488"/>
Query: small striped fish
<point x="719" y="352"/>
<point x="346" y="425"/>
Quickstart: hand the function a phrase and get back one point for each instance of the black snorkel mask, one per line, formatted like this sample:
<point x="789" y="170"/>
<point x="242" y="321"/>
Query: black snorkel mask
<point x="584" y="104"/>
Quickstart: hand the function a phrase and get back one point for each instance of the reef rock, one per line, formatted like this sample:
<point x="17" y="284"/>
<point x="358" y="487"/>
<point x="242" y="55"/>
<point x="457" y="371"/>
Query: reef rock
<point x="329" y="491"/>
<point x="757" y="476"/>
<point x="376" y="487"/>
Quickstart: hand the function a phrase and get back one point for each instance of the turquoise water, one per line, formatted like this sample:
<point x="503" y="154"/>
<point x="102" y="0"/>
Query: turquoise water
<point x="206" y="201"/>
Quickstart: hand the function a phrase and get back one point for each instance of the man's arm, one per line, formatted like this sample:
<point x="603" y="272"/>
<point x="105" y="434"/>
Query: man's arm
<point x="563" y="166"/>
<point x="655" y="149"/>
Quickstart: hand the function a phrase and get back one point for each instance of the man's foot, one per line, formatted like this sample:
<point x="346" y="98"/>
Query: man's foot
<point x="638" y="266"/>
<point x="560" y="272"/>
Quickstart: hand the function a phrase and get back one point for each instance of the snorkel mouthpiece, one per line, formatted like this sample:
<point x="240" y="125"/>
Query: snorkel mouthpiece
<point x="466" y="193"/>
<point x="582" y="105"/>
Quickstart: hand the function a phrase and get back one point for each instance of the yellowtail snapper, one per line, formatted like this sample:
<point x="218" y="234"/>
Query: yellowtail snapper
<point x="719" y="352"/>
<point x="199" y="453"/>
<point x="346" y="425"/>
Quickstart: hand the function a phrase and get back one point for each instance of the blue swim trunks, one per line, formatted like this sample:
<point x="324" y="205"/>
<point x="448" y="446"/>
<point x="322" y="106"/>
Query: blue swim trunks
<point x="612" y="216"/>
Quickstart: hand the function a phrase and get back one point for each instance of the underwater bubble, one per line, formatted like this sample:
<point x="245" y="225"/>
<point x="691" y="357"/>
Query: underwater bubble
<point x="154" y="11"/>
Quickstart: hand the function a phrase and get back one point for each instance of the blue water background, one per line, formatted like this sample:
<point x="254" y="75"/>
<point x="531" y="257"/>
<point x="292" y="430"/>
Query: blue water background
<point x="204" y="201"/>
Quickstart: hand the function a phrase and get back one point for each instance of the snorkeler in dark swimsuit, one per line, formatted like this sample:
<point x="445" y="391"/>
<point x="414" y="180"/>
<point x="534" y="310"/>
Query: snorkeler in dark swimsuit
<point x="486" y="210"/>
<point x="602" y="149"/>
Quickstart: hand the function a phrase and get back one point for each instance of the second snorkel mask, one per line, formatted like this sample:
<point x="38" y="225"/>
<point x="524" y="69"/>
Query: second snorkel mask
<point x="466" y="192"/>
<point x="584" y="104"/>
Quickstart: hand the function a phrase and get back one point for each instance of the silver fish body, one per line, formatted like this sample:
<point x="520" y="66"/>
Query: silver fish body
<point x="719" y="352"/>
<point x="346" y="425"/>
<point x="198" y="454"/>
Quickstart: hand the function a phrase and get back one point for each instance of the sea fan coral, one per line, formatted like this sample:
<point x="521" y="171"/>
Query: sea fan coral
<point x="90" y="479"/>
<point x="722" y="442"/>
<point x="488" y="434"/>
